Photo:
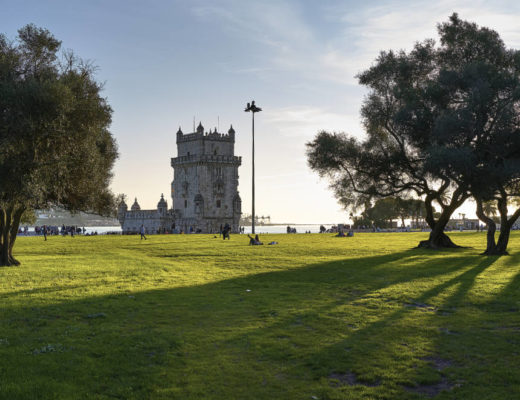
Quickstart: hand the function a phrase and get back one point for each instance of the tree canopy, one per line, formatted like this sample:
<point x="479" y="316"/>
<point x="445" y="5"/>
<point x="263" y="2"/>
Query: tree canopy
<point x="437" y="119"/>
<point x="55" y="143"/>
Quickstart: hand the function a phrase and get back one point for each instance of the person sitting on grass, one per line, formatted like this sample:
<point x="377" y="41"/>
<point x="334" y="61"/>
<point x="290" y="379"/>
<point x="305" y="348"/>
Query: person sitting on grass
<point x="254" y="241"/>
<point x="341" y="234"/>
<point x="257" y="240"/>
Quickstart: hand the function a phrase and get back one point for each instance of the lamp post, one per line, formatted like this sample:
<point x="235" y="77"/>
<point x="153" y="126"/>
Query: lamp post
<point x="252" y="108"/>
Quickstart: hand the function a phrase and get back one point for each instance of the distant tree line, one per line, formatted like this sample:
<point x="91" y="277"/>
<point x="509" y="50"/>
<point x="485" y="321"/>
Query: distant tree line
<point x="387" y="210"/>
<point x="442" y="125"/>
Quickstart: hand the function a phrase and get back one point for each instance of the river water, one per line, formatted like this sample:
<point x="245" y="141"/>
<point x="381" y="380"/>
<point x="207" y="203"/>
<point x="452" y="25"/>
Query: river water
<point x="261" y="229"/>
<point x="258" y="228"/>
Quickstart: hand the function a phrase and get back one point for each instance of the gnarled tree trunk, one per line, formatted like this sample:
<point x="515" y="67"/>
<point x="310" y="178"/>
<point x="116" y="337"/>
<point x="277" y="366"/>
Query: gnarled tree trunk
<point x="491" y="245"/>
<point x="438" y="239"/>
<point x="505" y="227"/>
<point x="10" y="217"/>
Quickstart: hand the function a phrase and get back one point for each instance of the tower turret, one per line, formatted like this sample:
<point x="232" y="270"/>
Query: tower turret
<point x="200" y="129"/>
<point x="122" y="208"/>
<point x="162" y="206"/>
<point x="231" y="133"/>
<point x="136" y="206"/>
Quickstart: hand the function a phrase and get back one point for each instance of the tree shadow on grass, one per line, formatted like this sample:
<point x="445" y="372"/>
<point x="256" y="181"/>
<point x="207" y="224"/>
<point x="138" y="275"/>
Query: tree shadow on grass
<point x="269" y="335"/>
<point x="380" y="358"/>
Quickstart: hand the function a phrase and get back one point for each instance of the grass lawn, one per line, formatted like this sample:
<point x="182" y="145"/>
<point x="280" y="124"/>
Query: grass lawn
<point x="314" y="317"/>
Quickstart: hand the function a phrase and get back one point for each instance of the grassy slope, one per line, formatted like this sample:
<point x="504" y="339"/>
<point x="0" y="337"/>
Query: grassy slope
<point x="191" y="317"/>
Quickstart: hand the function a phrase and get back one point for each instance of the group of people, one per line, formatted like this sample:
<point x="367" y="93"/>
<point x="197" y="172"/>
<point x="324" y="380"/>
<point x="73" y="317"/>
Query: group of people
<point x="291" y="230"/>
<point x="45" y="231"/>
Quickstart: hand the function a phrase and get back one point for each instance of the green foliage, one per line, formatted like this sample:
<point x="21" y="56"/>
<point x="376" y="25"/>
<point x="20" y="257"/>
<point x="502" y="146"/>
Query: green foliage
<point x="442" y="122"/>
<point x="55" y="146"/>
<point x="192" y="317"/>
<point x="28" y="217"/>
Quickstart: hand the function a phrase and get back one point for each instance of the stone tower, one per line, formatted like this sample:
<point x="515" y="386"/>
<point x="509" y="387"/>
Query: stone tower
<point x="205" y="181"/>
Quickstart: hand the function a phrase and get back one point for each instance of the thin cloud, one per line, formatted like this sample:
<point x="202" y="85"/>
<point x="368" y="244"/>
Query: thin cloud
<point x="306" y="121"/>
<point x="289" y="43"/>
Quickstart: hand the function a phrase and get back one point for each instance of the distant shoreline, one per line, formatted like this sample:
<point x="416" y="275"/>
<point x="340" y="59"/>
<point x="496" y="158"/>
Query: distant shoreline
<point x="296" y="224"/>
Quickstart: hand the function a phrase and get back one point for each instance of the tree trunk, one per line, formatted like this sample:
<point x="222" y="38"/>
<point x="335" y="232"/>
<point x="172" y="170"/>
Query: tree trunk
<point x="438" y="239"/>
<point x="9" y="224"/>
<point x="505" y="227"/>
<point x="503" y="240"/>
<point x="491" y="229"/>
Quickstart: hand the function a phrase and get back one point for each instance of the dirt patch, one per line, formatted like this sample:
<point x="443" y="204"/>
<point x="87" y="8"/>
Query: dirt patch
<point x="350" y="379"/>
<point x="434" y="389"/>
<point x="438" y="363"/>
<point x="447" y="331"/>
<point x="507" y="328"/>
<point x="421" y="306"/>
<point x="431" y="390"/>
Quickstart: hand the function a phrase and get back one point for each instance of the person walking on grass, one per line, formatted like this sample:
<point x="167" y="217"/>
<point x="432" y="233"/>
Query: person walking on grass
<point x="142" y="233"/>
<point x="225" y="231"/>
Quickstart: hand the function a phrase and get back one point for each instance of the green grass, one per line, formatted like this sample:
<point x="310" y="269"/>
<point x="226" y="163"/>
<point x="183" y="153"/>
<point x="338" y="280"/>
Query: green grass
<point x="314" y="317"/>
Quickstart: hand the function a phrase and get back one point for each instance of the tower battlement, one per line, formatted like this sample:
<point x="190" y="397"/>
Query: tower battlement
<point x="200" y="134"/>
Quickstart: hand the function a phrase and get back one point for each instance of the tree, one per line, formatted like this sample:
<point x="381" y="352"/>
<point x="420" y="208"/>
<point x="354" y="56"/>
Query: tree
<point x="425" y="118"/>
<point x="482" y="149"/>
<point x="417" y="212"/>
<point x="485" y="212"/>
<point x="55" y="146"/>
<point x="386" y="210"/>
<point x="381" y="214"/>
<point x="28" y="217"/>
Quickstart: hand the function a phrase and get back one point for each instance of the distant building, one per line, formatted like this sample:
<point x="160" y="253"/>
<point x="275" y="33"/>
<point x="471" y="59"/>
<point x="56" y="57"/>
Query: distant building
<point x="155" y="221"/>
<point x="464" y="223"/>
<point x="204" y="188"/>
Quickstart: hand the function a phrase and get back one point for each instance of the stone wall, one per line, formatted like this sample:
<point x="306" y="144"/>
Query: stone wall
<point x="153" y="221"/>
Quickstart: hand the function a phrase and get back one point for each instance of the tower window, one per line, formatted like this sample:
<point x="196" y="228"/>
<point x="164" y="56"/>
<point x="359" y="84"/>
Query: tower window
<point x="218" y="203"/>
<point x="185" y="203"/>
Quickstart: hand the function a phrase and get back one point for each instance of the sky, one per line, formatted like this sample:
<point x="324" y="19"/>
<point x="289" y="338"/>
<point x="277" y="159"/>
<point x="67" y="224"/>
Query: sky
<point x="165" y="64"/>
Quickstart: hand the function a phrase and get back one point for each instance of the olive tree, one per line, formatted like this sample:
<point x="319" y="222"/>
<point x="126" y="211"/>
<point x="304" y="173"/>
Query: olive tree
<point x="441" y="124"/>
<point x="55" y="143"/>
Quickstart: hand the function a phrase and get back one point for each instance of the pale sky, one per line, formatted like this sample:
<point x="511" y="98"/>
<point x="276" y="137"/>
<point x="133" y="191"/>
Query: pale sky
<point x="166" y="62"/>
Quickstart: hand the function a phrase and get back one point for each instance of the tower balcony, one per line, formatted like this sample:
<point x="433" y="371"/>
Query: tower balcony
<point x="206" y="158"/>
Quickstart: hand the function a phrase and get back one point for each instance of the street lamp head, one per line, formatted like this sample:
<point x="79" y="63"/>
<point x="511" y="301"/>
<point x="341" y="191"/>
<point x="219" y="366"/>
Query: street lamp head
<point x="251" y="107"/>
